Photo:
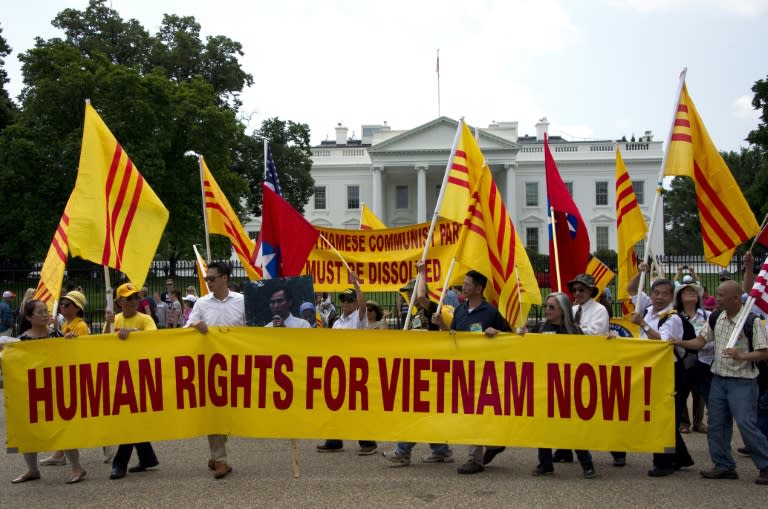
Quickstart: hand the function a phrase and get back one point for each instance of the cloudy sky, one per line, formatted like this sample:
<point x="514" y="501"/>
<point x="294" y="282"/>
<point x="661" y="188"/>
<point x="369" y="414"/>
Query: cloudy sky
<point x="597" y="69"/>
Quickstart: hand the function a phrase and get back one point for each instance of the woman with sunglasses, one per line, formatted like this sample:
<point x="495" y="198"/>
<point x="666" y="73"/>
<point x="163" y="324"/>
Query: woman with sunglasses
<point x="559" y="320"/>
<point x="72" y="308"/>
<point x="36" y="312"/>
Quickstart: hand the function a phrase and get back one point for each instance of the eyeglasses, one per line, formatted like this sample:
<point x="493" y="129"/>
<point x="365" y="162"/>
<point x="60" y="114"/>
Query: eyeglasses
<point x="277" y="301"/>
<point x="551" y="306"/>
<point x="579" y="289"/>
<point x="211" y="279"/>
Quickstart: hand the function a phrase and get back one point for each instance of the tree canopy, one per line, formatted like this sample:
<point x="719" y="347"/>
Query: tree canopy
<point x="7" y="109"/>
<point x="161" y="95"/>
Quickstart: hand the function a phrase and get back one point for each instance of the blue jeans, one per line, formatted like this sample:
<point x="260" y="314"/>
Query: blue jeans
<point x="405" y="448"/>
<point x="734" y="399"/>
<point x="762" y="413"/>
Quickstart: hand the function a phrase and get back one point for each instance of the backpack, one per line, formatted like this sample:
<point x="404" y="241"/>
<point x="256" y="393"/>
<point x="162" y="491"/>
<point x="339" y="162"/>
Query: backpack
<point x="762" y="366"/>
<point x="688" y="332"/>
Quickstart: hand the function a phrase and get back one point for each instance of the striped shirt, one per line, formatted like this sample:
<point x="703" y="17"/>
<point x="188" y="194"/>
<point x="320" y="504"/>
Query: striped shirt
<point x="727" y="366"/>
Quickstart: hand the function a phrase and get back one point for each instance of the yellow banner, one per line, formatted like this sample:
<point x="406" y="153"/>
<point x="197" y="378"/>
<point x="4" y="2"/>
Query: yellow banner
<point x="539" y="390"/>
<point x="384" y="260"/>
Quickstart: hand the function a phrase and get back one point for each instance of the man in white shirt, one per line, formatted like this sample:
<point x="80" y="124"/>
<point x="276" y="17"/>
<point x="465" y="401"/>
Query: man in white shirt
<point x="280" y="304"/>
<point x="354" y="315"/>
<point x="588" y="314"/>
<point x="220" y="307"/>
<point x="658" y="320"/>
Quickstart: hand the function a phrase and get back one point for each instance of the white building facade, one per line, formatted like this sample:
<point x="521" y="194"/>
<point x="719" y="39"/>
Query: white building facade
<point x="398" y="175"/>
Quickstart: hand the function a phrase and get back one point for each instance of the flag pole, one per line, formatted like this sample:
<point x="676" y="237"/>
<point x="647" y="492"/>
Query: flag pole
<point x="110" y="304"/>
<point x="438" y="83"/>
<point x="740" y="321"/>
<point x="435" y="215"/>
<point x="520" y="293"/>
<point x="333" y="248"/>
<point x="205" y="213"/>
<point x="762" y="227"/>
<point x="553" y="232"/>
<point x="445" y="285"/>
<point x="660" y="180"/>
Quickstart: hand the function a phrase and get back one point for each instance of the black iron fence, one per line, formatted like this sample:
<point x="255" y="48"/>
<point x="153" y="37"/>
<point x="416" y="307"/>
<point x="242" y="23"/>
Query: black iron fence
<point x="90" y="279"/>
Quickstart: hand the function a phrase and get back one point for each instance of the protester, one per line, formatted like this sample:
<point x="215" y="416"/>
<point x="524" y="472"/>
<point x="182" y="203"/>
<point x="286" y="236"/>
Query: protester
<point x="354" y="315"/>
<point x="475" y="315"/>
<point x="23" y="323"/>
<point x="440" y="453"/>
<point x="559" y="320"/>
<point x="165" y="295"/>
<point x="375" y="315"/>
<point x="161" y="310"/>
<point x="219" y="307"/>
<point x="127" y="321"/>
<point x="175" y="310"/>
<point x="36" y="312"/>
<point x="311" y="315"/>
<point x="188" y="303"/>
<point x="658" y="320"/>
<point x="280" y="304"/>
<point x="696" y="368"/>
<point x="734" y="391"/>
<point x="72" y="307"/>
<point x="191" y="290"/>
<point x="6" y="313"/>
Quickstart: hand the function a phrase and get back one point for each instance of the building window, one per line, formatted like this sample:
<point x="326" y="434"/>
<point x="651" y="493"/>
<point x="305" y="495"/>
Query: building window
<point x="569" y="187"/>
<point x="601" y="193"/>
<point x="401" y="197"/>
<point x="531" y="194"/>
<point x="319" y="197"/>
<point x="640" y="250"/>
<point x="532" y="239"/>
<point x="639" y="188"/>
<point x="601" y="237"/>
<point x="353" y="197"/>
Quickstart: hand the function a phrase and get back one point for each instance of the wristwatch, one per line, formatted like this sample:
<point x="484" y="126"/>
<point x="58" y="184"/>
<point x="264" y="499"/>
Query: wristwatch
<point x="646" y="328"/>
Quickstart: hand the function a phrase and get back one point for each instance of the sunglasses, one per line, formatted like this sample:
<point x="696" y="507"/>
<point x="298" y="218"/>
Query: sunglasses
<point x="65" y="304"/>
<point x="211" y="279"/>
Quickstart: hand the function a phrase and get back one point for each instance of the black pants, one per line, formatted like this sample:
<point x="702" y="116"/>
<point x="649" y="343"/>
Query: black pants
<point x="680" y="457"/>
<point x="545" y="457"/>
<point x="338" y="444"/>
<point x="143" y="450"/>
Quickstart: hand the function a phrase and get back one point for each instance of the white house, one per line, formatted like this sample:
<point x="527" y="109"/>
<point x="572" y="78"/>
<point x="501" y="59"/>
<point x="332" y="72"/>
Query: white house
<point x="398" y="174"/>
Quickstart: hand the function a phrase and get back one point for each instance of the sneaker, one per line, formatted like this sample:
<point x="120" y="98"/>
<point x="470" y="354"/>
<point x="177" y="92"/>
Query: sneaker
<point x="589" y="471"/>
<point x="434" y="457"/>
<point x="490" y="453"/>
<point x="742" y="451"/>
<point x="366" y="450"/>
<point x="541" y="470"/>
<point x="762" y="478"/>
<point x="53" y="461"/>
<point x="398" y="458"/>
<point x="470" y="467"/>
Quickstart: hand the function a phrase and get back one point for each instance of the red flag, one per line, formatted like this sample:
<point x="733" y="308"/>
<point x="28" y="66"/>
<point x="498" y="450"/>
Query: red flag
<point x="570" y="230"/>
<point x="286" y="237"/>
<point x="759" y="290"/>
<point x="763" y="237"/>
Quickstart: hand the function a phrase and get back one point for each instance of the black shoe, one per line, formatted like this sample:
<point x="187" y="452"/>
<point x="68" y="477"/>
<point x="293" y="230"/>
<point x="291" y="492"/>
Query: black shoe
<point x="490" y="453"/>
<point x="683" y="464"/>
<point x="589" y="471"/>
<point x="543" y="470"/>
<point x="563" y="456"/>
<point x="117" y="473"/>
<point x="619" y="462"/>
<point x="661" y="471"/>
<point x="326" y="448"/>
<point x="143" y="466"/>
<point x="470" y="467"/>
<point x="743" y="452"/>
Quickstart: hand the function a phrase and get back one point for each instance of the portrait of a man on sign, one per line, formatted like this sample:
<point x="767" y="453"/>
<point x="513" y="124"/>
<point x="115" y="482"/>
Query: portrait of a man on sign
<point x="276" y="302"/>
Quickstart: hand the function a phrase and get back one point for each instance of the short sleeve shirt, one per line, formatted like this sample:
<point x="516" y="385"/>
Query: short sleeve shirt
<point x="229" y="311"/>
<point x="478" y="319"/>
<point x="727" y="366"/>
<point x="139" y="321"/>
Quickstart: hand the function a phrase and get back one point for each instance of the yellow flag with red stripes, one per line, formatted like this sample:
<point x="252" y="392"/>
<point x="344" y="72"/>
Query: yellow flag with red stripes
<point x="202" y="271"/>
<point x="465" y="170"/>
<point x="602" y="274"/>
<point x="52" y="273"/>
<point x="489" y="242"/>
<point x="115" y="220"/>
<point x="630" y="229"/>
<point x="222" y="220"/>
<point x="369" y="220"/>
<point x="726" y="218"/>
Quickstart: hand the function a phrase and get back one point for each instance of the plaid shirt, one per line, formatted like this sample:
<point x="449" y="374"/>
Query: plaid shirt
<point x="727" y="366"/>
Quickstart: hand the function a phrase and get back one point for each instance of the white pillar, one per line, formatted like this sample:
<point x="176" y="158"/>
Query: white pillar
<point x="377" y="193"/>
<point x="510" y="170"/>
<point x="421" y="194"/>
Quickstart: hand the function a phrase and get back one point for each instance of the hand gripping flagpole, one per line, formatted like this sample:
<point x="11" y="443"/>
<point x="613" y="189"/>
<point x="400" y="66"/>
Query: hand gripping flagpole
<point x="747" y="307"/>
<point x="435" y="215"/>
<point x="660" y="180"/>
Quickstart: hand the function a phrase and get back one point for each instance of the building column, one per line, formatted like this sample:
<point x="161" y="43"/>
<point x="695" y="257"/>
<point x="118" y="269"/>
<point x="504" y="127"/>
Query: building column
<point x="377" y="192"/>
<point x="510" y="171"/>
<point x="421" y="194"/>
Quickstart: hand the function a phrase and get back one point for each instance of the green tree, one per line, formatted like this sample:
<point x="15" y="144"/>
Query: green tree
<point x="7" y="108"/>
<point x="155" y="116"/>
<point x="681" y="215"/>
<point x="759" y="136"/>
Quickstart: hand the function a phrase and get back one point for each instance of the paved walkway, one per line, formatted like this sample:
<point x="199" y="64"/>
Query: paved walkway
<point x="262" y="478"/>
